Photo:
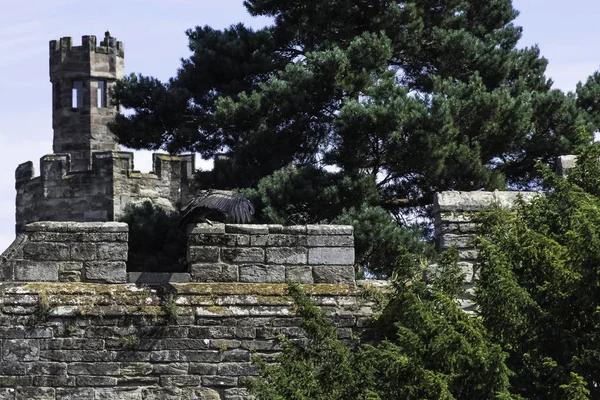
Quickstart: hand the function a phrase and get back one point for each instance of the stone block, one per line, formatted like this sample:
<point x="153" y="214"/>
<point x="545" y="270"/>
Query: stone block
<point x="287" y="230"/>
<point x="75" y="393"/>
<point x="99" y="369"/>
<point x="179" y="380"/>
<point x="258" y="240"/>
<point x="44" y="251"/>
<point x="35" y="393"/>
<point x="202" y="254"/>
<point x="83" y="251"/>
<point x="287" y="255"/>
<point x="213" y="229"/>
<point x="94" y="381"/>
<point x="460" y="241"/>
<point x="262" y="273"/>
<point x="214" y="272"/>
<point x="333" y="274"/>
<point x="205" y="239"/>
<point x="105" y="272"/>
<point x="207" y="272"/>
<point x="219" y="381"/>
<point x="565" y="163"/>
<point x="298" y="274"/>
<point x="331" y="256"/>
<point x="35" y="271"/>
<point x="243" y="255"/>
<point x="171" y="369"/>
<point x="281" y="240"/>
<point x="21" y="350"/>
<point x="203" y="369"/>
<point x="330" y="230"/>
<point x="330" y="241"/>
<point x="237" y="369"/>
<point x="123" y="392"/>
<point x="247" y="229"/>
<point x="111" y="251"/>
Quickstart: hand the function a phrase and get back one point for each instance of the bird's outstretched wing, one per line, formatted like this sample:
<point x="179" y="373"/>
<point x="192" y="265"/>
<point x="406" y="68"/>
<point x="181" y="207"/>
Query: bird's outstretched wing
<point x="235" y="206"/>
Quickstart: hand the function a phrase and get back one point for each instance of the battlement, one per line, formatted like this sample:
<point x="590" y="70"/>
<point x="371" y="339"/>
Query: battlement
<point x="88" y="44"/>
<point x="102" y="192"/>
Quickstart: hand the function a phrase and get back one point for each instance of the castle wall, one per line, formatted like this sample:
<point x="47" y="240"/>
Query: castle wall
<point x="101" y="193"/>
<point x="184" y="341"/>
<point x="157" y="338"/>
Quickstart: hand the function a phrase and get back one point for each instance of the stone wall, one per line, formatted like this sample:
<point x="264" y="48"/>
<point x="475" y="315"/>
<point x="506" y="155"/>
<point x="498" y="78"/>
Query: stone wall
<point x="180" y="341"/>
<point x="271" y="253"/>
<point x="101" y="193"/>
<point x="454" y="226"/>
<point x="67" y="252"/>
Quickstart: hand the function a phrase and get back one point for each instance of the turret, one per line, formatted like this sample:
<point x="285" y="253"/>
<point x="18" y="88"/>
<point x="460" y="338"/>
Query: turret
<point x="82" y="77"/>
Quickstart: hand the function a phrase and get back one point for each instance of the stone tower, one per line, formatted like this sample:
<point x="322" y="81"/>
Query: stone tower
<point x="82" y="77"/>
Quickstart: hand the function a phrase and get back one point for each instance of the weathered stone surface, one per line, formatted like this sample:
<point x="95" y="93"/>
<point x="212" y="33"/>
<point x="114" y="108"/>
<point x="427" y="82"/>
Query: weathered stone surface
<point x="47" y="251"/>
<point x="83" y="251"/>
<point x="330" y="241"/>
<point x="243" y="255"/>
<point x="565" y="163"/>
<point x="100" y="368"/>
<point x="281" y="240"/>
<point x="207" y="272"/>
<point x="202" y="254"/>
<point x="247" y="229"/>
<point x="287" y="255"/>
<point x="330" y="230"/>
<point x="333" y="274"/>
<point x="476" y="201"/>
<point x="35" y="271"/>
<point x="331" y="256"/>
<point x="215" y="228"/>
<point x="461" y="241"/>
<point x="21" y="350"/>
<point x="287" y="230"/>
<point x="34" y="393"/>
<point x="111" y="251"/>
<point x="262" y="273"/>
<point x="106" y="272"/>
<point x="298" y="274"/>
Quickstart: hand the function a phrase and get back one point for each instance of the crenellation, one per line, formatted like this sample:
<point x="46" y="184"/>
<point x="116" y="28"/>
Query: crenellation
<point x="102" y="192"/>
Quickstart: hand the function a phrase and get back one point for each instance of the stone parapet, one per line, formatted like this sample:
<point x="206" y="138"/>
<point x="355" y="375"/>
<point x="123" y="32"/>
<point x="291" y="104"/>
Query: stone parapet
<point x="183" y="341"/>
<point x="454" y="225"/>
<point x="271" y="253"/>
<point x="67" y="252"/>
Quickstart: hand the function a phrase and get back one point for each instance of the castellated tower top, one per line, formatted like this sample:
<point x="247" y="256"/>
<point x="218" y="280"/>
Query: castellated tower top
<point x="82" y="77"/>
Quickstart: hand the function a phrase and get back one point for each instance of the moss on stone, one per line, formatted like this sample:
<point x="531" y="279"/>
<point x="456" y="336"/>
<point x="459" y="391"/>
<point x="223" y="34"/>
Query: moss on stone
<point x="220" y="310"/>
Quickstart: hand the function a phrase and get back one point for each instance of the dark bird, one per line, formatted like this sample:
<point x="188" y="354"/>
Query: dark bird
<point x="227" y="205"/>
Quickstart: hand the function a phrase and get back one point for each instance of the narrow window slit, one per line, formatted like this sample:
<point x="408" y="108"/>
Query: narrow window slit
<point x="77" y="94"/>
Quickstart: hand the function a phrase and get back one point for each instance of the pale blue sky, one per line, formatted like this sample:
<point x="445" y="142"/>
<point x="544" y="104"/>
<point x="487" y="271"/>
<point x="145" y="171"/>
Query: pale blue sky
<point x="153" y="33"/>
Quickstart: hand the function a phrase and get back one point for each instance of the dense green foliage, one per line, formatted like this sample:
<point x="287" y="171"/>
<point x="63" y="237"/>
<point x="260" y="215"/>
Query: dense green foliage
<point x="155" y="242"/>
<point x="540" y="289"/>
<point x="376" y="103"/>
<point x="432" y="351"/>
